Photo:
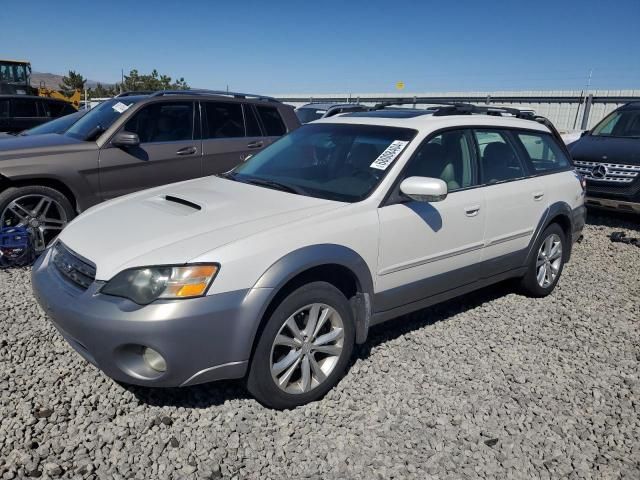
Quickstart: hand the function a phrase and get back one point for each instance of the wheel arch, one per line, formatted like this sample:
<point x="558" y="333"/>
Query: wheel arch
<point x="51" y="182"/>
<point x="338" y="265"/>
<point x="560" y="213"/>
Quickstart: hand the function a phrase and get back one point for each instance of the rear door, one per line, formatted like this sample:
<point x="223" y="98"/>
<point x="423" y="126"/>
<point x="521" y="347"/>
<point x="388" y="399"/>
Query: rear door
<point x="271" y="121"/>
<point x="516" y="200"/>
<point x="230" y="133"/>
<point x="169" y="151"/>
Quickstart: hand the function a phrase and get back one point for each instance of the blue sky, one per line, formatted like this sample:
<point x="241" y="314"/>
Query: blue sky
<point x="330" y="46"/>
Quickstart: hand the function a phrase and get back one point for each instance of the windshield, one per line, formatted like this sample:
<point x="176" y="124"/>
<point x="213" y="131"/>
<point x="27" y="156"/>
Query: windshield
<point x="99" y="119"/>
<point x="59" y="125"/>
<point x="332" y="161"/>
<point x="622" y="123"/>
<point x="307" y="114"/>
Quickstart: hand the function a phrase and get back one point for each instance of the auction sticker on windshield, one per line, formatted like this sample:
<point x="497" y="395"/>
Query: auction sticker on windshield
<point x="120" y="107"/>
<point x="390" y="153"/>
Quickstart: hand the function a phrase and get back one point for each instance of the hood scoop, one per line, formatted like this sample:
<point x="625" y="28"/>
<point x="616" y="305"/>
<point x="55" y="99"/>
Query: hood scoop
<point x="173" y="205"/>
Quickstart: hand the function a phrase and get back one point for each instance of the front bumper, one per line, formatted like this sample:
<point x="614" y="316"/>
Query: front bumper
<point x="201" y="339"/>
<point x="613" y="204"/>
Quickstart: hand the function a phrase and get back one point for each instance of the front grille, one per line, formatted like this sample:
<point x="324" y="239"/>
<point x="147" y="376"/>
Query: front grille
<point x="607" y="172"/>
<point x="73" y="268"/>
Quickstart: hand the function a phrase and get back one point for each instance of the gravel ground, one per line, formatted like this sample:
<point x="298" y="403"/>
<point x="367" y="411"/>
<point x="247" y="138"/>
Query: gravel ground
<point x="493" y="385"/>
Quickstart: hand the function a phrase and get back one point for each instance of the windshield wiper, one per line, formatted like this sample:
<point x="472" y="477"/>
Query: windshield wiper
<point x="276" y="185"/>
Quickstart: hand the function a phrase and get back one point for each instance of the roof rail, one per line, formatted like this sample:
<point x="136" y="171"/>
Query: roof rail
<point x="202" y="91"/>
<point x="459" y="108"/>
<point x="132" y="93"/>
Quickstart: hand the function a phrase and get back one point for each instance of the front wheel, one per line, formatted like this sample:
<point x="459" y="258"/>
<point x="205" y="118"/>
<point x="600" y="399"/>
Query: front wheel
<point x="304" y="348"/>
<point x="546" y="264"/>
<point x="42" y="210"/>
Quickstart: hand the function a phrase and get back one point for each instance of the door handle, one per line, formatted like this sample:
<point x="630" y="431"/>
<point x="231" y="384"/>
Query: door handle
<point x="256" y="144"/>
<point x="187" y="151"/>
<point x="472" y="210"/>
<point x="538" y="196"/>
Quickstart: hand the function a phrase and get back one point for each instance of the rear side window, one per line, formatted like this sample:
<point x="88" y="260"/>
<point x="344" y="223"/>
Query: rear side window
<point x="25" y="108"/>
<point x="544" y="154"/>
<point x="4" y="108"/>
<point x="253" y="127"/>
<point x="272" y="121"/>
<point x="163" y="122"/>
<point x="499" y="160"/>
<point x="223" y="120"/>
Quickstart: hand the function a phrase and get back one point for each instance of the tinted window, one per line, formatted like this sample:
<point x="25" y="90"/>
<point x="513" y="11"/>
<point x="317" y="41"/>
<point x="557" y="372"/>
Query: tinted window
<point x="625" y="123"/>
<point x="55" y="109"/>
<point x="271" y="121"/>
<point x="4" y="108"/>
<point x="163" y="122"/>
<point x="253" y="127"/>
<point x="24" y="108"/>
<point x="448" y="157"/>
<point x="307" y="114"/>
<point x="499" y="161"/>
<point x="223" y="120"/>
<point x="544" y="154"/>
<point x="332" y="161"/>
<point x="99" y="119"/>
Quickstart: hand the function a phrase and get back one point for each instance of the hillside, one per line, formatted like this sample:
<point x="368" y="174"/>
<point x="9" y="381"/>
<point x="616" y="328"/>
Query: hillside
<point x="51" y="80"/>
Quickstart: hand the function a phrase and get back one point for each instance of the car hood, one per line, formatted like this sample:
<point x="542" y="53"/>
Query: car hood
<point x="28" y="145"/>
<point x="176" y="223"/>
<point x="607" y="150"/>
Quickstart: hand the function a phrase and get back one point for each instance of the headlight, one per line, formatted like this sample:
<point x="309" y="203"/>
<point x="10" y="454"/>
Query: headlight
<point x="144" y="285"/>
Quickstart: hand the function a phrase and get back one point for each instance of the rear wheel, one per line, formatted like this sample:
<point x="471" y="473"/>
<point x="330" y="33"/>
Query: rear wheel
<point x="42" y="210"/>
<point x="304" y="348"/>
<point x="545" y="266"/>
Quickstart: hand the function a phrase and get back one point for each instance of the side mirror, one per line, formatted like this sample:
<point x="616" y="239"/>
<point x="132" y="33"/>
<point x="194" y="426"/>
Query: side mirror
<point x="584" y="134"/>
<point x="424" y="189"/>
<point x="125" y="139"/>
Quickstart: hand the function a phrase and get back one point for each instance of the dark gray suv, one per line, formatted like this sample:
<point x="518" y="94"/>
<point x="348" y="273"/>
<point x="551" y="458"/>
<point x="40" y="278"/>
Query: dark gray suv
<point x="129" y="143"/>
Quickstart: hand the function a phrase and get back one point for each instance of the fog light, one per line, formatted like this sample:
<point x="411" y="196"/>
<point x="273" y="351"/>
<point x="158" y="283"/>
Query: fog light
<point x="154" y="359"/>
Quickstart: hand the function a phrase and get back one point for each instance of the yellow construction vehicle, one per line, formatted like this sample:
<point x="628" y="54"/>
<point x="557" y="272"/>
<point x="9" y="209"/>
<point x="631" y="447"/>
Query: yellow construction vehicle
<point x="15" y="78"/>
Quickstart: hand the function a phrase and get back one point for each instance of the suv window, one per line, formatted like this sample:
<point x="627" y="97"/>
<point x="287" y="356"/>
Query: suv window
<point x="544" y="154"/>
<point x="253" y="127"/>
<point x="4" y="108"/>
<point x="498" y="157"/>
<point x="621" y="123"/>
<point x="223" y="120"/>
<point x="447" y="156"/>
<point x="24" y="108"/>
<point x="271" y="121"/>
<point x="163" y="122"/>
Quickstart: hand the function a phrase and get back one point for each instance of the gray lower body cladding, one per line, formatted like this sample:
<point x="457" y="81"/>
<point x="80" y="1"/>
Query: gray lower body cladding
<point x="201" y="339"/>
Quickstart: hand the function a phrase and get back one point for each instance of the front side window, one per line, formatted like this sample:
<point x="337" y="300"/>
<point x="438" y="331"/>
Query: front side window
<point x="446" y="156"/>
<point x="163" y="122"/>
<point x="544" y="154"/>
<point x="499" y="161"/>
<point x="271" y="121"/>
<point x="331" y="161"/>
<point x="24" y="108"/>
<point x="223" y="120"/>
<point x="625" y="123"/>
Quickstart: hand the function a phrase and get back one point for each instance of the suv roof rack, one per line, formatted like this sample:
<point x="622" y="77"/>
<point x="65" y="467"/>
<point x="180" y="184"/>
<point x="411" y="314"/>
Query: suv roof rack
<point x="134" y="93"/>
<point x="459" y="108"/>
<point x="202" y="91"/>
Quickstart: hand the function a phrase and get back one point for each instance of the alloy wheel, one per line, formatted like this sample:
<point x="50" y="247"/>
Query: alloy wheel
<point x="549" y="260"/>
<point x="43" y="216"/>
<point x="307" y="348"/>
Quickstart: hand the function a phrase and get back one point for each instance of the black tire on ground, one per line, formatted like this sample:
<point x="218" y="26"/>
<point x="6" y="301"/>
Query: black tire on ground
<point x="260" y="382"/>
<point x="12" y="193"/>
<point x="529" y="284"/>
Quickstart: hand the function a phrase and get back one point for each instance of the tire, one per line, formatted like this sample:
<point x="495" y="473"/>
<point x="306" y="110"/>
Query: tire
<point x="324" y="355"/>
<point x="56" y="208"/>
<point x="539" y="281"/>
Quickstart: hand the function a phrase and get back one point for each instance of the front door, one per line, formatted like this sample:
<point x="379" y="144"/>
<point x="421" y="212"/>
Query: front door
<point x="429" y="248"/>
<point x="169" y="150"/>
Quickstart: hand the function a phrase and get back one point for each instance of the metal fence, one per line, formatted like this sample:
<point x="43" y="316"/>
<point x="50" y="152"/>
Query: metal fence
<point x="568" y="110"/>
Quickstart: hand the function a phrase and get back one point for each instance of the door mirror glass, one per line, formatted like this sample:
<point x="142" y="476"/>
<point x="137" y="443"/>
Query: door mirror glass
<point x="126" y="139"/>
<point x="424" y="189"/>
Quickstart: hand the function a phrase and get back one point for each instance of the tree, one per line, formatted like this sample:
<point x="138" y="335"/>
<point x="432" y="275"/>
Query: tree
<point x="135" y="82"/>
<point x="73" y="81"/>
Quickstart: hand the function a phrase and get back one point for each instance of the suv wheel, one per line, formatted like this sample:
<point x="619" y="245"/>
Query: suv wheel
<point x="546" y="264"/>
<point x="43" y="210"/>
<point x="304" y="348"/>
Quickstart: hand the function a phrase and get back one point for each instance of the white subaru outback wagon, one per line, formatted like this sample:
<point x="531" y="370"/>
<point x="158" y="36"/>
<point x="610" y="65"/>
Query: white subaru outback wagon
<point x="273" y="271"/>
